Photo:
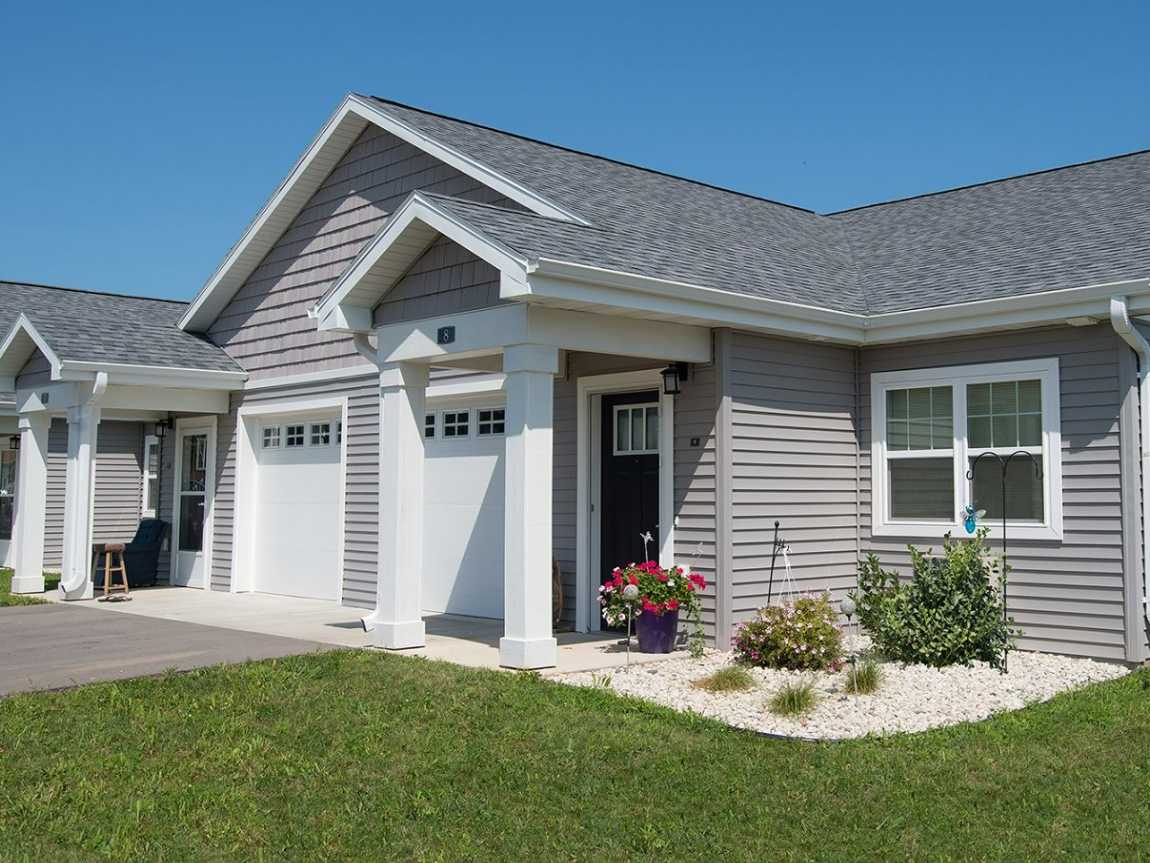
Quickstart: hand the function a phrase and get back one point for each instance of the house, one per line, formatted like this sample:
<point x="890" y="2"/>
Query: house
<point x="444" y="356"/>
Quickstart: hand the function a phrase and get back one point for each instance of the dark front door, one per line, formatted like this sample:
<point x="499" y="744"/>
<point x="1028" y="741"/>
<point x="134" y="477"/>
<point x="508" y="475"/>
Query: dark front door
<point x="629" y="485"/>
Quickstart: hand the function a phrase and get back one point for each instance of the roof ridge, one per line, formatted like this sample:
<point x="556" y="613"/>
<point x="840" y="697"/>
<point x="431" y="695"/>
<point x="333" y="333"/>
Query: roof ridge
<point x="993" y="182"/>
<point x="590" y="155"/>
<point x="94" y="293"/>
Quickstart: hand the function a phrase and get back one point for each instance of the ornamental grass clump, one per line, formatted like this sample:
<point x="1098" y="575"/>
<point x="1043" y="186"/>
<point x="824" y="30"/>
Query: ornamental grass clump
<point x="793" y="699"/>
<point x="950" y="611"/>
<point x="800" y="634"/>
<point x="864" y="676"/>
<point x="731" y="678"/>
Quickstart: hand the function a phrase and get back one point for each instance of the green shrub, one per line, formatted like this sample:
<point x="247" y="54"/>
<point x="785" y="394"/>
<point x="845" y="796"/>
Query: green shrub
<point x="793" y="699"/>
<point x="863" y="676"/>
<point x="800" y="635"/>
<point x="728" y="679"/>
<point x="949" y="612"/>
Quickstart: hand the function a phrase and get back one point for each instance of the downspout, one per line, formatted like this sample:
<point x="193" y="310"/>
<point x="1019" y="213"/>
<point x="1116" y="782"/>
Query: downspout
<point x="1120" y="320"/>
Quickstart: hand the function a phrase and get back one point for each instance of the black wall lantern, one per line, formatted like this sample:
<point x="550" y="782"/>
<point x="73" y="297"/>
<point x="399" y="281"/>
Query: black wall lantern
<point x="162" y="428"/>
<point x="14" y="441"/>
<point x="672" y="375"/>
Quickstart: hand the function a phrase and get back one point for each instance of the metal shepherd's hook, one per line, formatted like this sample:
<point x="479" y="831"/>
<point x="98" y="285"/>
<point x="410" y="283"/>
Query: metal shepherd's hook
<point x="1004" y="464"/>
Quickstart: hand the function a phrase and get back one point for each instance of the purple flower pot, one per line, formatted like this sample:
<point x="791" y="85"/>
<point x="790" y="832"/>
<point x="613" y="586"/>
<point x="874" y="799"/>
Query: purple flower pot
<point x="657" y="632"/>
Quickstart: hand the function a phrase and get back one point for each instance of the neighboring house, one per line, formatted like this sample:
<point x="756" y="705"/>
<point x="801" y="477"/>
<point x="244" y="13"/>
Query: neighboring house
<point x="444" y="355"/>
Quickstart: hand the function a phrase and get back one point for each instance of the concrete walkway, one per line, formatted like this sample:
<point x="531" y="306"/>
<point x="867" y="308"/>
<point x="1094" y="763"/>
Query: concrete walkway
<point x="56" y="645"/>
<point x="472" y="641"/>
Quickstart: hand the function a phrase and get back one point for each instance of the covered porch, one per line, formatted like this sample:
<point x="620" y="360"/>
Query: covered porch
<point x="132" y="413"/>
<point x="533" y="348"/>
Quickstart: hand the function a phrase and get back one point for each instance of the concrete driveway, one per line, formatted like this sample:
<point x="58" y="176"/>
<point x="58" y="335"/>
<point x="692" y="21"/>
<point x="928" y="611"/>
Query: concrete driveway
<point x="54" y="646"/>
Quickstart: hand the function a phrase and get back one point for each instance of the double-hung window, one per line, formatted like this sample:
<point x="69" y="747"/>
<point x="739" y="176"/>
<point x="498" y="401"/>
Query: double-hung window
<point x="930" y="425"/>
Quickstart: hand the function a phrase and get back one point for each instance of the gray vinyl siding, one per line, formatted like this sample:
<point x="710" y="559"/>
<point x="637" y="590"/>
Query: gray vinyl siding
<point x="57" y="486"/>
<point x="1069" y="596"/>
<point x="265" y="326"/>
<point x="119" y="481"/>
<point x="118" y="488"/>
<point x="794" y="459"/>
<point x="696" y="523"/>
<point x="446" y="279"/>
<point x="361" y="493"/>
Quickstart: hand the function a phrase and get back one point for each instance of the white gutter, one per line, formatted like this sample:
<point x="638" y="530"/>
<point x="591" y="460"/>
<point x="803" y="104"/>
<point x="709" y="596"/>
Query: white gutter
<point x="1120" y="320"/>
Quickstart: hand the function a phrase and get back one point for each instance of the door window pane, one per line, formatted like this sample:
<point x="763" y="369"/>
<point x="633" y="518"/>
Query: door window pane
<point x="652" y="423"/>
<point x="922" y="488"/>
<point x="194" y="467"/>
<point x="191" y="522"/>
<point x="622" y="431"/>
<point x="636" y="429"/>
<point x="1024" y="490"/>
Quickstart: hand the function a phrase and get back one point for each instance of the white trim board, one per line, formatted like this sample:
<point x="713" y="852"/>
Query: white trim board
<point x="249" y="420"/>
<point x="589" y="392"/>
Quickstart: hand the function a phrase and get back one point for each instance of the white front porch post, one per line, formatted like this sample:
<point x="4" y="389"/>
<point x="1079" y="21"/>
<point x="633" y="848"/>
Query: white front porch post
<point x="397" y="621"/>
<point x="31" y="499"/>
<point x="83" y="426"/>
<point x="528" y="641"/>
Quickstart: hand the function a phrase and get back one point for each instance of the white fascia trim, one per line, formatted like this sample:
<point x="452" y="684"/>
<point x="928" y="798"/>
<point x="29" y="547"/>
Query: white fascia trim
<point x="24" y="326"/>
<point x="565" y="281"/>
<point x="334" y="139"/>
<point x="1120" y="321"/>
<point x="465" y="389"/>
<point x="419" y="208"/>
<point x="145" y="375"/>
<point x="1046" y="369"/>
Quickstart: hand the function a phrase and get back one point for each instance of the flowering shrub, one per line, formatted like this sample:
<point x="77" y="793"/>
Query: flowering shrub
<point x="802" y="634"/>
<point x="659" y="591"/>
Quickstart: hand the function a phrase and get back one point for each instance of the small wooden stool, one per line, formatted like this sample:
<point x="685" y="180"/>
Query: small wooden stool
<point x="115" y="549"/>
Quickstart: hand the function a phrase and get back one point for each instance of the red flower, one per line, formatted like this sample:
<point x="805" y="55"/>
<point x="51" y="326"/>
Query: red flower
<point x="672" y="604"/>
<point x="697" y="580"/>
<point x="662" y="576"/>
<point x="634" y="579"/>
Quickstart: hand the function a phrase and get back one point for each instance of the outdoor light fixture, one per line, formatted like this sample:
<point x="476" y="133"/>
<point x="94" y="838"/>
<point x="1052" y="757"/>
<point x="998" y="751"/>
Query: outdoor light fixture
<point x="14" y="441"/>
<point x="672" y="375"/>
<point x="162" y="428"/>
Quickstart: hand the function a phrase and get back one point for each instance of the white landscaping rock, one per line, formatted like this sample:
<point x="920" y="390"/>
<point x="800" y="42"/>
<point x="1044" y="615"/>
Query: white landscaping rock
<point x="910" y="697"/>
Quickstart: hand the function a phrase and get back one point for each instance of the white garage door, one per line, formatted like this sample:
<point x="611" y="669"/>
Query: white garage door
<point x="463" y="511"/>
<point x="297" y="507"/>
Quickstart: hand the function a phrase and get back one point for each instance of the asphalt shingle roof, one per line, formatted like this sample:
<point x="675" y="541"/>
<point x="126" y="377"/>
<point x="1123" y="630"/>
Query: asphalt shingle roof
<point x="94" y="327"/>
<point x="1063" y="228"/>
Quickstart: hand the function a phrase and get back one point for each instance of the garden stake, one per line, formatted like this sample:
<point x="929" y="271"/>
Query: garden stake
<point x="630" y="593"/>
<point x="1004" y="463"/>
<point x="775" y="546"/>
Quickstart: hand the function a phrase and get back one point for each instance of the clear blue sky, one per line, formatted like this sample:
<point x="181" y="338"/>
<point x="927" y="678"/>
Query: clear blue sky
<point x="136" y="142"/>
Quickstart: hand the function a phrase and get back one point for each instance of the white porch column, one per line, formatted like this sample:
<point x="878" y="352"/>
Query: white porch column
<point x="397" y="621"/>
<point x="528" y="641"/>
<point x="31" y="499"/>
<point x="83" y="425"/>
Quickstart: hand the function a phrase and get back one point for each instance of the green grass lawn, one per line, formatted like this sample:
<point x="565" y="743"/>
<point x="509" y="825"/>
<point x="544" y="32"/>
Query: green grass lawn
<point x="362" y="756"/>
<point x="7" y="598"/>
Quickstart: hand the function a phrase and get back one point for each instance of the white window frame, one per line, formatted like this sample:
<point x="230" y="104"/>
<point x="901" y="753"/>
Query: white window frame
<point x="643" y="406"/>
<point x="492" y="422"/>
<point x="149" y="477"/>
<point x="443" y="424"/>
<point x="958" y="378"/>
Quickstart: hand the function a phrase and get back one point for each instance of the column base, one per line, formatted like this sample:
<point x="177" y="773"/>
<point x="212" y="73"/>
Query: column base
<point x="84" y="592"/>
<point x="27" y="584"/>
<point x="528" y="652"/>
<point x="404" y="635"/>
